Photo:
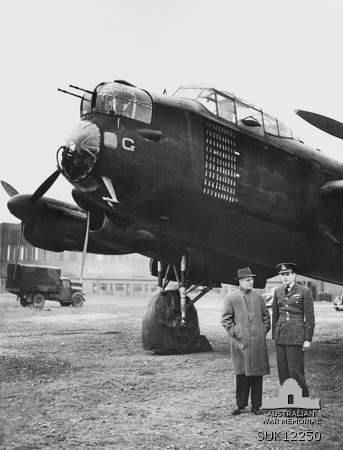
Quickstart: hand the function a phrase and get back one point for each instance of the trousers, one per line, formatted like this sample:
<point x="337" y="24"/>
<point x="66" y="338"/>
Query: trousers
<point x="290" y="364"/>
<point x="246" y="384"/>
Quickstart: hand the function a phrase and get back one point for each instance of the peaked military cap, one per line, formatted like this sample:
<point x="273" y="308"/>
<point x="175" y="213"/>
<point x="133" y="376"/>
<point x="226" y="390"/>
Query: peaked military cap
<point x="245" y="273"/>
<point x="287" y="267"/>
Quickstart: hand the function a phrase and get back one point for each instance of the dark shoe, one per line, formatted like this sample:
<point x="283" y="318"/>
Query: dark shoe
<point x="256" y="411"/>
<point x="236" y="411"/>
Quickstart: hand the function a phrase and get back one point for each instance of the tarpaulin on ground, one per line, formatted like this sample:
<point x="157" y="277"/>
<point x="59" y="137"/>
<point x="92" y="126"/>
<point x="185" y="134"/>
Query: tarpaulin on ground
<point x="162" y="331"/>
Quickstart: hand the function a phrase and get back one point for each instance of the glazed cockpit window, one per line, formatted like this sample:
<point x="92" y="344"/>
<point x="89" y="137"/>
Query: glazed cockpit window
<point x="270" y="125"/>
<point x="208" y="99"/>
<point x="226" y="108"/>
<point x="191" y="93"/>
<point x="244" y="111"/>
<point x="232" y="109"/>
<point x="123" y="100"/>
<point x="284" y="130"/>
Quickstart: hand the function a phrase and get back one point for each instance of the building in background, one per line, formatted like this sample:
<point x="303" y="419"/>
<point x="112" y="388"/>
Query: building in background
<point x="108" y="274"/>
<point x="112" y="274"/>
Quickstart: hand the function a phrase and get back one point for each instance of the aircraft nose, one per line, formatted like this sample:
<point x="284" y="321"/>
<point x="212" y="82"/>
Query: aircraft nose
<point x="77" y="158"/>
<point x="21" y="206"/>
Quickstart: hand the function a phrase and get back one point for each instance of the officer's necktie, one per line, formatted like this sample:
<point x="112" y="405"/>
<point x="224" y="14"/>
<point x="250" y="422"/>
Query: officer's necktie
<point x="287" y="289"/>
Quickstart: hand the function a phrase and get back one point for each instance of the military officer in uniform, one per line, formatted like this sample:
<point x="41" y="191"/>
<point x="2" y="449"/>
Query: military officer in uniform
<point x="292" y="325"/>
<point x="246" y="319"/>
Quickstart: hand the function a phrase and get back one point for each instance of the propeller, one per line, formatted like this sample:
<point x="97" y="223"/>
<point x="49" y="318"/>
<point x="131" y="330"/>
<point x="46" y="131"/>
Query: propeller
<point x="45" y="186"/>
<point x="330" y="126"/>
<point x="10" y="190"/>
<point x="39" y="192"/>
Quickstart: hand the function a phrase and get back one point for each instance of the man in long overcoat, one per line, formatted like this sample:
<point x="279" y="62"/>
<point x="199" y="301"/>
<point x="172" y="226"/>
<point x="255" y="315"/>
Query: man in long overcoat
<point x="246" y="319"/>
<point x="292" y="325"/>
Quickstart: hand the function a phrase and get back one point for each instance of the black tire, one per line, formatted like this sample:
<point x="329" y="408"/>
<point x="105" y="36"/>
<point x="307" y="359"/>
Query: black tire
<point x="77" y="300"/>
<point x="23" y="302"/>
<point x="38" y="300"/>
<point x="65" y="303"/>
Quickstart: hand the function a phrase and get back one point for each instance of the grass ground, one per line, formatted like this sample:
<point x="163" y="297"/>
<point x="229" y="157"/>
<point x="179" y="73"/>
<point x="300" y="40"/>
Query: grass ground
<point x="79" y="378"/>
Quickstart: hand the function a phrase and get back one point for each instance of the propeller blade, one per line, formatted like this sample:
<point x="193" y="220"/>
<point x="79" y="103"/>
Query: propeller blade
<point x="18" y="248"/>
<point x="85" y="245"/>
<point x="45" y="186"/>
<point x="331" y="126"/>
<point x="9" y="189"/>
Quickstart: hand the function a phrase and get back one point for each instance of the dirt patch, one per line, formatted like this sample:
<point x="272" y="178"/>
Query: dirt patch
<point x="79" y="378"/>
<point x="15" y="367"/>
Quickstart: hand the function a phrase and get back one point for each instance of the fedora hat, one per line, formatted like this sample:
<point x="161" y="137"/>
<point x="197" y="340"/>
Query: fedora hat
<point x="245" y="273"/>
<point x="287" y="267"/>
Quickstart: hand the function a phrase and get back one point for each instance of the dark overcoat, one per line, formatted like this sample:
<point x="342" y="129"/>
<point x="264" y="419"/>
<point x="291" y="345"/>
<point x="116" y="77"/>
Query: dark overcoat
<point x="293" y="315"/>
<point x="246" y="319"/>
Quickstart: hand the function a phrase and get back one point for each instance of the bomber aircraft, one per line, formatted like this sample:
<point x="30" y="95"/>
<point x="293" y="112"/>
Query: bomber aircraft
<point x="201" y="181"/>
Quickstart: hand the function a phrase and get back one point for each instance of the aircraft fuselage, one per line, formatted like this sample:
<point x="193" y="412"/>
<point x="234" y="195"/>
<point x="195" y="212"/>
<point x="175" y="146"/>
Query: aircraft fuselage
<point x="187" y="181"/>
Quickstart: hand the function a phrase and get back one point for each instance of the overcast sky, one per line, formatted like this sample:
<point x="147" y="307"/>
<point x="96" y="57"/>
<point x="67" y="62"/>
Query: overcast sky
<point x="281" y="55"/>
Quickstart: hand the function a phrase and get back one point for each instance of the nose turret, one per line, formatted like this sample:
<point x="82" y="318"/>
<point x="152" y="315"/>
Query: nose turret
<point x="78" y="156"/>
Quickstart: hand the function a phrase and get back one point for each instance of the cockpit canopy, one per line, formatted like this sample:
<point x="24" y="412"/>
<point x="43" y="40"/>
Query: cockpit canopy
<point x="119" y="99"/>
<point x="231" y="108"/>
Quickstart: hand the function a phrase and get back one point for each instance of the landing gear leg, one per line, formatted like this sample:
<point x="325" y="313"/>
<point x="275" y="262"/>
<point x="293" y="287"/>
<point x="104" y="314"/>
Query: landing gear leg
<point x="182" y="288"/>
<point x="180" y="276"/>
<point x="159" y="274"/>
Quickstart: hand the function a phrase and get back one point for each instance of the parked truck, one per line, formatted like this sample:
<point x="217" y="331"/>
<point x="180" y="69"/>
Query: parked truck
<point x="35" y="284"/>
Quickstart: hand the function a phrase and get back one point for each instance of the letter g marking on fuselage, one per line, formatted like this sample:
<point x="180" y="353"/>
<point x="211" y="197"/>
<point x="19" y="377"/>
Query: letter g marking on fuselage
<point x="128" y="144"/>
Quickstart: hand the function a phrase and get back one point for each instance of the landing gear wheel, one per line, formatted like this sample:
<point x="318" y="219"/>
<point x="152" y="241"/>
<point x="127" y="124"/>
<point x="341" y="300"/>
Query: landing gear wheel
<point x="23" y="302"/>
<point x="77" y="300"/>
<point x="65" y="303"/>
<point x="38" y="300"/>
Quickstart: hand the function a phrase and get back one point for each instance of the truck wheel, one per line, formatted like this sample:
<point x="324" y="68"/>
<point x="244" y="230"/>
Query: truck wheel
<point x="65" y="303"/>
<point x="38" y="300"/>
<point x="23" y="302"/>
<point x="77" y="300"/>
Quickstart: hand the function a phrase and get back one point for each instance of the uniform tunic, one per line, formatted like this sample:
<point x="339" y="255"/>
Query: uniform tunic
<point x="246" y="319"/>
<point x="293" y="315"/>
<point x="292" y="324"/>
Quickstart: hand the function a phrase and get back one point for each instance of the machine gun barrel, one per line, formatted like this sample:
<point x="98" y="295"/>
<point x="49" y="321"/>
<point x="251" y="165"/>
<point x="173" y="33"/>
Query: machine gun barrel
<point x="80" y="89"/>
<point x="75" y="95"/>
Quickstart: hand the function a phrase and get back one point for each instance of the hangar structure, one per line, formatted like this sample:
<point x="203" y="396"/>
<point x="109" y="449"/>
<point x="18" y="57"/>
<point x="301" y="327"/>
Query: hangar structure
<point x="107" y="274"/>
